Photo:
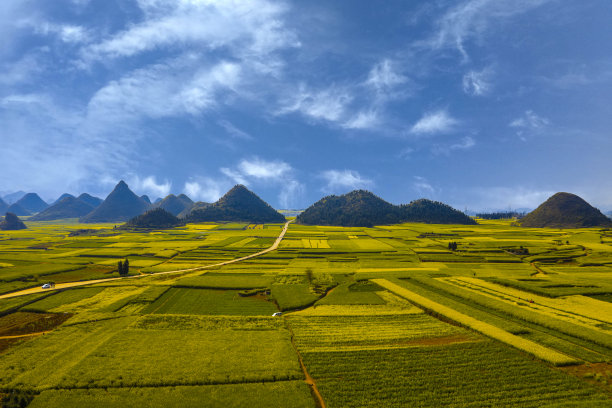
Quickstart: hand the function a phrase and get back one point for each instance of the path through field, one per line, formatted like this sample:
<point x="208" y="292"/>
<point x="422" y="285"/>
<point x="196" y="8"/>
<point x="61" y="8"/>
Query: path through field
<point x="67" y="285"/>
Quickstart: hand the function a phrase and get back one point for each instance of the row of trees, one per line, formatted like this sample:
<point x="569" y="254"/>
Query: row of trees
<point x="123" y="268"/>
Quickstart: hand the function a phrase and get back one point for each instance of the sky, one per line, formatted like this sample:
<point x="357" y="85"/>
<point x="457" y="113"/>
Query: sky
<point x="481" y="104"/>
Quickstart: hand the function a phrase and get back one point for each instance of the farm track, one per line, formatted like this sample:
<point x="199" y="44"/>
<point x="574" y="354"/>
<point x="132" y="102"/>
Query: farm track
<point x="319" y="401"/>
<point x="18" y="336"/>
<point x="68" y="285"/>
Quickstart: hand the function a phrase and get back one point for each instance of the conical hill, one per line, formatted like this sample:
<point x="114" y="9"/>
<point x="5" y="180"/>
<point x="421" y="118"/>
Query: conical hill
<point x="238" y="204"/>
<point x="565" y="210"/>
<point x="120" y="205"/>
<point x="68" y="207"/>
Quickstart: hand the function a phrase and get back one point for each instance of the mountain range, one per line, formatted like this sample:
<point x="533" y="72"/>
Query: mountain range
<point x="361" y="208"/>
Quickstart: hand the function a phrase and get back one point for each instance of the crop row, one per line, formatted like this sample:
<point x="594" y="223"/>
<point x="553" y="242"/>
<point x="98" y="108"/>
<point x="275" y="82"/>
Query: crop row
<point x="544" y="353"/>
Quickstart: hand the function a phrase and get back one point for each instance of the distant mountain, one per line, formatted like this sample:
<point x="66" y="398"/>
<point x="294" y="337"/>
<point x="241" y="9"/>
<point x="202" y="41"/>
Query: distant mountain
<point x="433" y="212"/>
<point x="120" y="205"/>
<point x="361" y="208"/>
<point x="68" y="207"/>
<point x="157" y="200"/>
<point x="198" y="205"/>
<point x="175" y="204"/>
<point x="3" y="206"/>
<point x="155" y="218"/>
<point x="565" y="210"/>
<point x="18" y="210"/>
<point x="238" y="204"/>
<point x="32" y="203"/>
<point x="358" y="208"/>
<point x="91" y="200"/>
<point x="62" y="197"/>
<point x="12" y="198"/>
<point x="146" y="198"/>
<point x="11" y="222"/>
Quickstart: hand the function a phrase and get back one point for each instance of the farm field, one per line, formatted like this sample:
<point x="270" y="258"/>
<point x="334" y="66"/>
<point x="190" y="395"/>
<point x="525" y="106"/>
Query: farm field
<point x="383" y="316"/>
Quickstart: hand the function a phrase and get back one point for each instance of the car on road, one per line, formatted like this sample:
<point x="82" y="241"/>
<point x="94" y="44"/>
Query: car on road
<point x="48" y="285"/>
<point x="276" y="314"/>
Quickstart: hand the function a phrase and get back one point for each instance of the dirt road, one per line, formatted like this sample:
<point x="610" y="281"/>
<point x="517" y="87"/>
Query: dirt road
<point x="67" y="285"/>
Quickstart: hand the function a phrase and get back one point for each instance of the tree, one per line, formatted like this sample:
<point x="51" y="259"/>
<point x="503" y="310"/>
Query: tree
<point x="126" y="267"/>
<point x="120" y="268"/>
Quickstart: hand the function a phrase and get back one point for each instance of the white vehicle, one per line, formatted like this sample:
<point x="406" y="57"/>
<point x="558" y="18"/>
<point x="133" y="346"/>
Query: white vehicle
<point x="46" y="286"/>
<point x="277" y="314"/>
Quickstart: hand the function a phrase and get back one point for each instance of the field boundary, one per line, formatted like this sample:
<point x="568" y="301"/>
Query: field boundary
<point x="67" y="285"/>
<point x="543" y="353"/>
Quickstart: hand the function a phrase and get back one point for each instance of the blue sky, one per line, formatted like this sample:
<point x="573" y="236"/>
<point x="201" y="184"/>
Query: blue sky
<point x="483" y="104"/>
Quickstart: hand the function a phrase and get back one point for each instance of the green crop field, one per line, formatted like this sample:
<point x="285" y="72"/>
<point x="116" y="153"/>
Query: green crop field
<point x="383" y="316"/>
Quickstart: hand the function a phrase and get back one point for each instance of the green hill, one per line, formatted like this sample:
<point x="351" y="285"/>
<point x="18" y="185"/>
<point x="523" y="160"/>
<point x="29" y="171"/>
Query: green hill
<point x="18" y="210"/>
<point x="155" y="218"/>
<point x="238" y="204"/>
<point x="361" y="208"/>
<point x="91" y="200"/>
<point x="68" y="207"/>
<point x="32" y="203"/>
<point x="62" y="197"/>
<point x="11" y="222"/>
<point x="120" y="205"/>
<point x="358" y="208"/>
<point x="433" y="212"/>
<point x="175" y="204"/>
<point x="565" y="210"/>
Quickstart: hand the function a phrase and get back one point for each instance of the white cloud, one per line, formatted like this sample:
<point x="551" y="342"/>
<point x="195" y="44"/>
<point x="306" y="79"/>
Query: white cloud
<point x="205" y="189"/>
<point x="528" y="124"/>
<point x="329" y="104"/>
<point x="149" y="186"/>
<point x="178" y="87"/>
<point x="422" y="187"/>
<point x="465" y="143"/>
<point x="291" y="194"/>
<point x="435" y="122"/>
<point x="363" y="120"/>
<point x="477" y="83"/>
<point x="384" y="77"/>
<point x="473" y="18"/>
<point x="252" y="28"/>
<point x="268" y="172"/>
<point x="262" y="169"/>
<point x="233" y="131"/>
<point x="342" y="180"/>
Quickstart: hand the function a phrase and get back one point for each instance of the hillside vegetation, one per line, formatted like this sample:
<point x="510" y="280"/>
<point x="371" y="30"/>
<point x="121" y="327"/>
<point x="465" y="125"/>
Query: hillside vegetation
<point x="120" y="205"/>
<point x="362" y="208"/>
<point x="11" y="222"/>
<point x="238" y="204"/>
<point x="155" y="218"/>
<point x="565" y="210"/>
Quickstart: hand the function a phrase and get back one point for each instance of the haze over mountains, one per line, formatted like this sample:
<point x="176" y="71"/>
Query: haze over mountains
<point x="357" y="208"/>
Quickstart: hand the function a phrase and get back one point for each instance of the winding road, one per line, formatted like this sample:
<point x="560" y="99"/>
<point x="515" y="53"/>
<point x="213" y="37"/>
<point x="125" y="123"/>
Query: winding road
<point x="67" y="285"/>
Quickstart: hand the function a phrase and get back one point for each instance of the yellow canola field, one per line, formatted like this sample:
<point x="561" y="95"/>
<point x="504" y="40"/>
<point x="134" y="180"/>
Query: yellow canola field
<point x="541" y="352"/>
<point x="577" y="309"/>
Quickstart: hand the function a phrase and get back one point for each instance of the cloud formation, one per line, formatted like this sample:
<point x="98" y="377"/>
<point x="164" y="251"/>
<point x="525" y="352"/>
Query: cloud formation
<point x="343" y="180"/>
<point x="434" y="122"/>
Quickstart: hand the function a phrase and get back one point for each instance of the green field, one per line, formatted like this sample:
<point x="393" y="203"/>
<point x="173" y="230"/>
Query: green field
<point x="383" y="316"/>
